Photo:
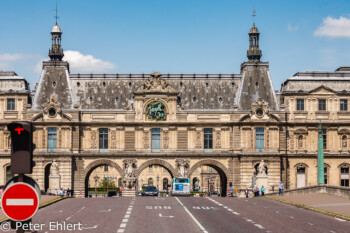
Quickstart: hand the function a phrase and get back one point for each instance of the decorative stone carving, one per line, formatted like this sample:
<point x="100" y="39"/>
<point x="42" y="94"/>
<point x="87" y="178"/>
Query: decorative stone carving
<point x="217" y="139"/>
<point x="114" y="138"/>
<point x="54" y="169"/>
<point x="94" y="139"/>
<point x="182" y="166"/>
<point x="130" y="178"/>
<point x="146" y="139"/>
<point x="260" y="108"/>
<point x="198" y="139"/>
<point x="156" y="111"/>
<point x="156" y="84"/>
<point x="52" y="108"/>
<point x="165" y="139"/>
<point x="261" y="170"/>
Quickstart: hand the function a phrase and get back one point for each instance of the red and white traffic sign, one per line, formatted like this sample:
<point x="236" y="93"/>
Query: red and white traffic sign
<point x="20" y="201"/>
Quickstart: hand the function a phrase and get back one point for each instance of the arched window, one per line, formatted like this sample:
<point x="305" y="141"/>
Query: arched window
<point x="150" y="181"/>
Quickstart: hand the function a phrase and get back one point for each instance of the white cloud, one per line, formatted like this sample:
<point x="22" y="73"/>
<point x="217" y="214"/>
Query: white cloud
<point x="79" y="62"/>
<point x="292" y="28"/>
<point x="9" y="60"/>
<point x="334" y="28"/>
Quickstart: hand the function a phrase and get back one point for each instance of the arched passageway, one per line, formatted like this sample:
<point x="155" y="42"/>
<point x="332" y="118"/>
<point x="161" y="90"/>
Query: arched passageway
<point x="155" y="172"/>
<point x="219" y="168"/>
<point x="111" y="173"/>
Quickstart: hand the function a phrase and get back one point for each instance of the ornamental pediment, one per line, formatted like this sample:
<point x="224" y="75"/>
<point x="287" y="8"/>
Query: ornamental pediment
<point x="322" y="90"/>
<point x="156" y="84"/>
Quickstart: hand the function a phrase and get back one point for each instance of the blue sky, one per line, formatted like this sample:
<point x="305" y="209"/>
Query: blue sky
<point x="182" y="36"/>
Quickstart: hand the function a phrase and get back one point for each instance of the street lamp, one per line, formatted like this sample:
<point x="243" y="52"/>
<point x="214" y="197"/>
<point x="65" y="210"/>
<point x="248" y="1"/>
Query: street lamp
<point x="96" y="177"/>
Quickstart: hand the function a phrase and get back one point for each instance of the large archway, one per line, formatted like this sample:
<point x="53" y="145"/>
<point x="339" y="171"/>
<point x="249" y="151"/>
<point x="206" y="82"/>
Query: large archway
<point x="219" y="167"/>
<point x="98" y="163"/>
<point x="150" y="173"/>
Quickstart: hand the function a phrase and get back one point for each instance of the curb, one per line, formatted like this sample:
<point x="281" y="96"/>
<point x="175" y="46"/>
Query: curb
<point x="314" y="209"/>
<point x="42" y="205"/>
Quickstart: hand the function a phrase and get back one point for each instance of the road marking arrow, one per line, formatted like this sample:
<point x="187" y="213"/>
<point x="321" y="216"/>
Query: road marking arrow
<point x="160" y="215"/>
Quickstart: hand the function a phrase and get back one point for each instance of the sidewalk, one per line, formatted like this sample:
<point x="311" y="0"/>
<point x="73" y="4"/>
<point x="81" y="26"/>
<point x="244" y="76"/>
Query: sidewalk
<point x="45" y="199"/>
<point x="329" y="204"/>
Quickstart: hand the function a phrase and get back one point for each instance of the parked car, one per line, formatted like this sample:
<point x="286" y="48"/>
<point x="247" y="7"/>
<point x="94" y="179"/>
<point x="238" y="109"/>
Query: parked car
<point x="150" y="191"/>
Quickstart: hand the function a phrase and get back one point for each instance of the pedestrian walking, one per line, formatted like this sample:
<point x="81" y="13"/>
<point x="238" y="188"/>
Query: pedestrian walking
<point x="246" y="193"/>
<point x="61" y="192"/>
<point x="280" y="188"/>
<point x="68" y="192"/>
<point x="262" y="191"/>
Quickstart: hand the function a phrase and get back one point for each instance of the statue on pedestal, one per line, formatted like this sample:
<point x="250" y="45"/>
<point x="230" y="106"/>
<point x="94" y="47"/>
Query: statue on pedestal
<point x="129" y="179"/>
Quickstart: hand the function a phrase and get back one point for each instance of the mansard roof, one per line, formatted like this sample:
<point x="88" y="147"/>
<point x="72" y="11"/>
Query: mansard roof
<point x="116" y="91"/>
<point x="11" y="82"/>
<point x="337" y="81"/>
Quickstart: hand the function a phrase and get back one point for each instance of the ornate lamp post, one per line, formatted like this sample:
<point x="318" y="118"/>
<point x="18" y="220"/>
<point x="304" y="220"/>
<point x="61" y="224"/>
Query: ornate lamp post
<point x="96" y="177"/>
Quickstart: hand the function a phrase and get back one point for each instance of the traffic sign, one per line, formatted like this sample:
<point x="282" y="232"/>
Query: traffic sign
<point x="20" y="201"/>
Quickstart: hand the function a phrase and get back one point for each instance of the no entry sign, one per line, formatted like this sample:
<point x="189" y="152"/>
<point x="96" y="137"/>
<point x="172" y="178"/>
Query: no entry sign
<point x="20" y="201"/>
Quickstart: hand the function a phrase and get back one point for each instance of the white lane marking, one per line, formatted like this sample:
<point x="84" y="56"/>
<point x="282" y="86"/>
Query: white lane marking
<point x="225" y="207"/>
<point x="15" y="202"/>
<point x="229" y="209"/>
<point x="83" y="207"/>
<point x="236" y="213"/>
<point x="127" y="216"/>
<point x="277" y="212"/>
<point x="160" y="215"/>
<point x="259" y="226"/>
<point x="129" y="209"/>
<point x="332" y="231"/>
<point x="120" y="230"/>
<point x="125" y="220"/>
<point x="249" y="220"/>
<point x="68" y="218"/>
<point x="291" y="216"/>
<point x="339" y="219"/>
<point x="109" y="210"/>
<point x="191" y="215"/>
<point x="60" y="211"/>
<point x="123" y="225"/>
<point x="90" y="227"/>
<point x="311" y="224"/>
<point x="128" y="212"/>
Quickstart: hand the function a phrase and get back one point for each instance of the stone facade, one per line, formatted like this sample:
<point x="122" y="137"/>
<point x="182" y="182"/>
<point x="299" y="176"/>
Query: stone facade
<point x="229" y="122"/>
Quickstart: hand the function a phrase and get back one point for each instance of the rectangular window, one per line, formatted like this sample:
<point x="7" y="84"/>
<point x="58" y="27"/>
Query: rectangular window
<point x="106" y="168"/>
<point x="10" y="104"/>
<point x="344" y="176"/>
<point x="103" y="139"/>
<point x="259" y="139"/>
<point x="343" y="105"/>
<point x="322" y="105"/>
<point x="208" y="139"/>
<point x="155" y="139"/>
<point x="324" y="134"/>
<point x="300" y="104"/>
<point x="51" y="139"/>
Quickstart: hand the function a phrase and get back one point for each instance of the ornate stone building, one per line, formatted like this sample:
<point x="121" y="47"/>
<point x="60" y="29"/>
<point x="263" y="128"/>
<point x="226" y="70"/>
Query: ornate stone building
<point x="181" y="122"/>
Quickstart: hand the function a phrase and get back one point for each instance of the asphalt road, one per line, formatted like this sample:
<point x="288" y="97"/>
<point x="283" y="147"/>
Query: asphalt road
<point x="181" y="214"/>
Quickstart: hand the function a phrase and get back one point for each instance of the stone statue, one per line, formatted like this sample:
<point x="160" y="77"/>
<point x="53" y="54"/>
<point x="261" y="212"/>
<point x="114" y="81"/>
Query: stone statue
<point x="129" y="179"/>
<point x="182" y="166"/>
<point x="300" y="141"/>
<point x="345" y="144"/>
<point x="262" y="168"/>
<point x="54" y="169"/>
<point x="155" y="83"/>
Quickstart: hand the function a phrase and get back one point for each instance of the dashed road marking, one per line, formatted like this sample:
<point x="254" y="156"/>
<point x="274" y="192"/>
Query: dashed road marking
<point x="277" y="212"/>
<point x="332" y="231"/>
<point x="126" y="218"/>
<point x="191" y="215"/>
<point x="259" y="226"/>
<point x="311" y="224"/>
<point x="236" y="213"/>
<point x="291" y="216"/>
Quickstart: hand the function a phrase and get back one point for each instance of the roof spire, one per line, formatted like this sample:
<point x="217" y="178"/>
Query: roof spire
<point x="56" y="13"/>
<point x="253" y="15"/>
